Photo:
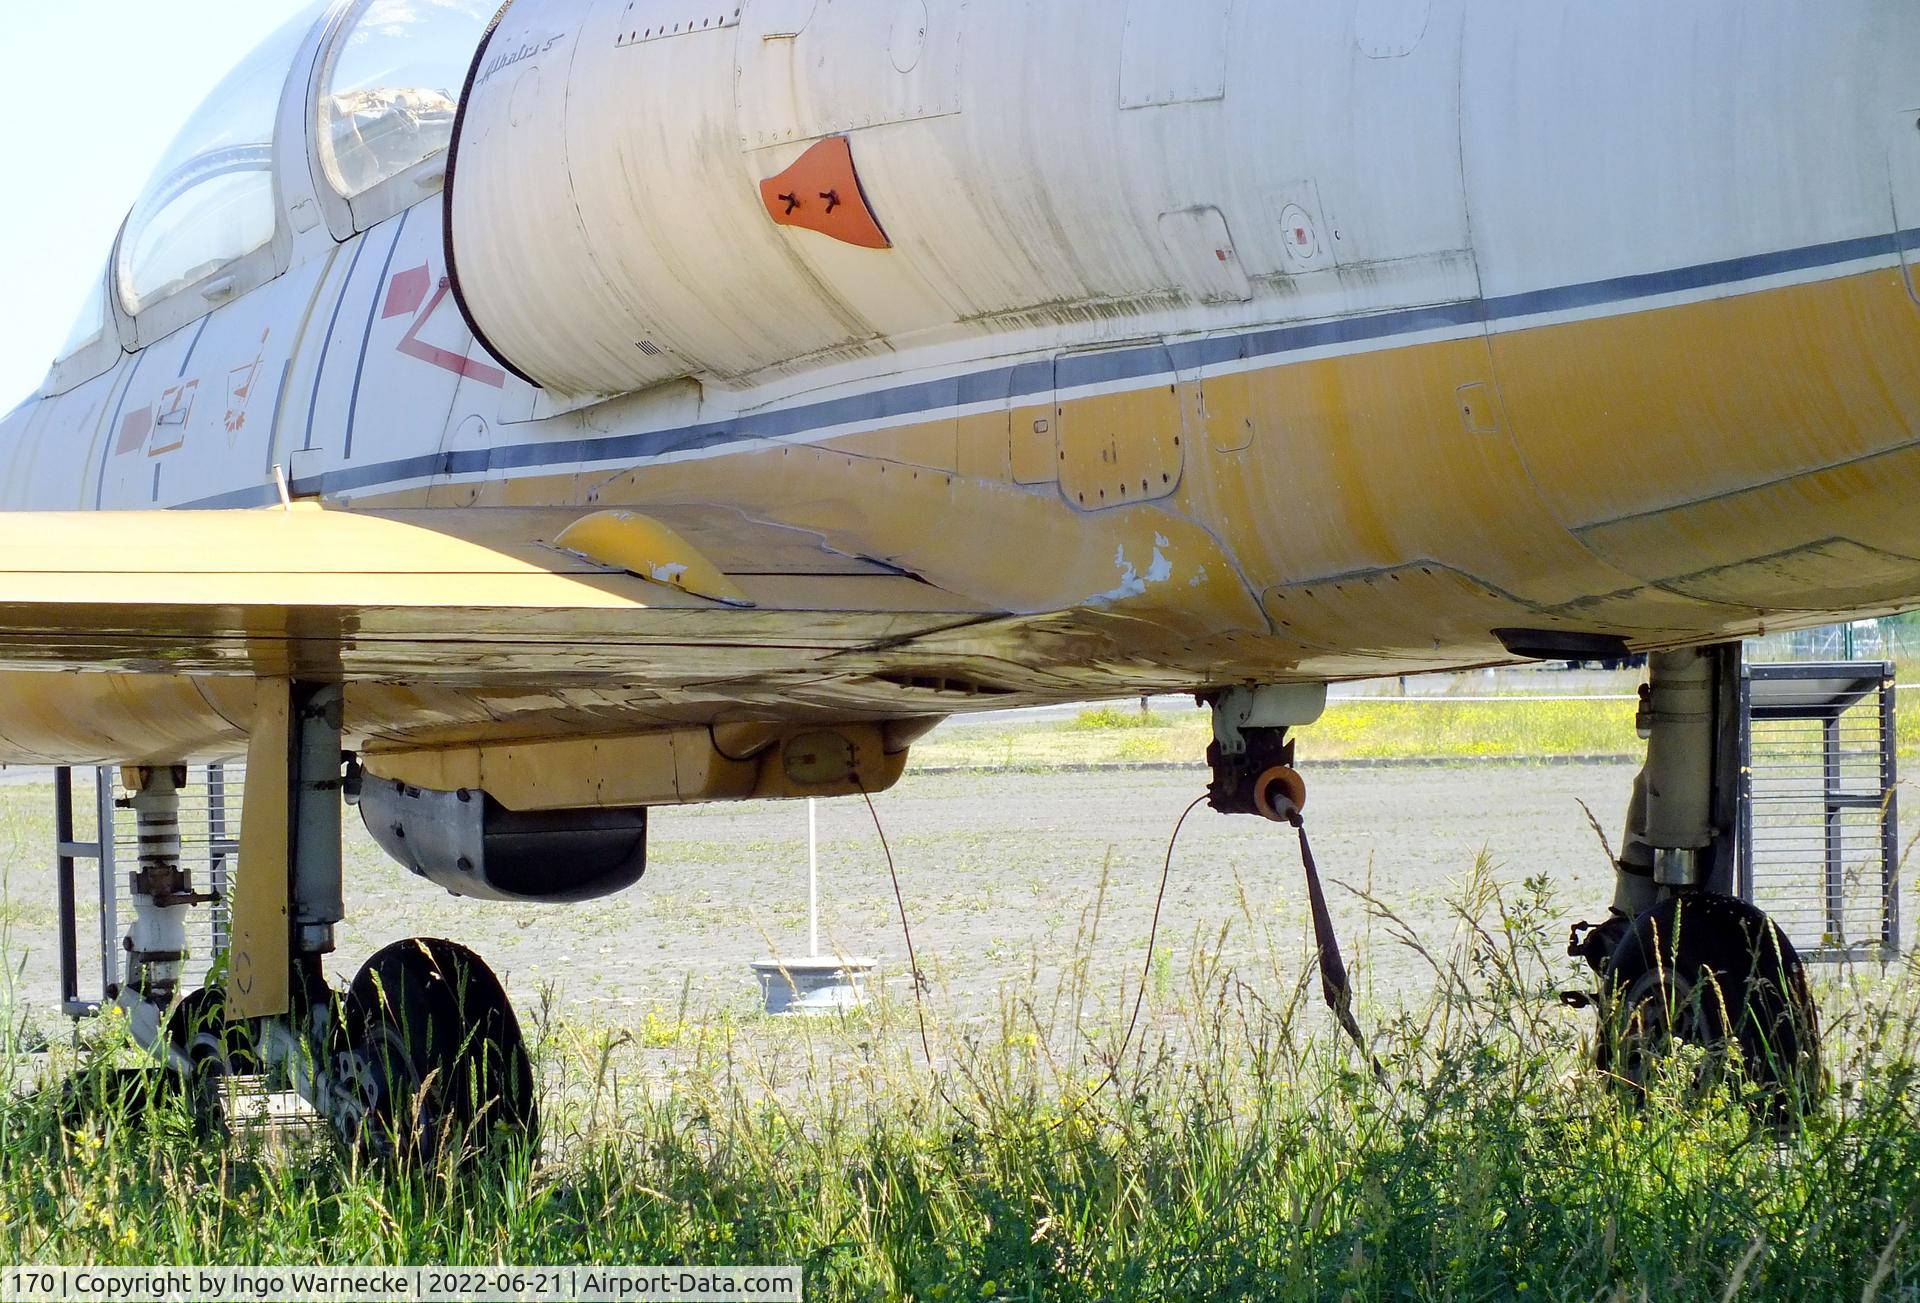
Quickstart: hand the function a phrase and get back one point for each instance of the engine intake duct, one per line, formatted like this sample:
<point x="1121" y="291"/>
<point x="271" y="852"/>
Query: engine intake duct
<point x="470" y="844"/>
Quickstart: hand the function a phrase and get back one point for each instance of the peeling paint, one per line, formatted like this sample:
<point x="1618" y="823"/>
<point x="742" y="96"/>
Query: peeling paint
<point x="1131" y="584"/>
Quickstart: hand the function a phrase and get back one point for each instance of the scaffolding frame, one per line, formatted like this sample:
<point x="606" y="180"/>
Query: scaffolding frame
<point x="214" y="853"/>
<point x="1806" y="805"/>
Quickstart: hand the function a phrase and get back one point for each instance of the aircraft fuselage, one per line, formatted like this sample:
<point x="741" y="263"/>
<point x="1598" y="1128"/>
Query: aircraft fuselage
<point x="1211" y="343"/>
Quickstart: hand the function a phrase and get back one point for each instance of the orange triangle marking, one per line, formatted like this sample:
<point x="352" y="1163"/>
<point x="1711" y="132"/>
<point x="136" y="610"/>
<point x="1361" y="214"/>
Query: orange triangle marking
<point x="821" y="192"/>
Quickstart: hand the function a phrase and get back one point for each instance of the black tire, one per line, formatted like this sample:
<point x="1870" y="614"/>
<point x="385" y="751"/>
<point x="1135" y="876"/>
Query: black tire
<point x="206" y="1042"/>
<point x="1716" y="973"/>
<point x="442" y="1064"/>
<point x="206" y="1050"/>
<point x="131" y="1097"/>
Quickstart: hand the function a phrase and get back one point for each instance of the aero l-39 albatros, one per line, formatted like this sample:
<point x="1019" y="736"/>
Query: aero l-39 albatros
<point x="519" y="421"/>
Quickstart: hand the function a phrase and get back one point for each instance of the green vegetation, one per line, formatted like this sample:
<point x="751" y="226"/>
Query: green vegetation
<point x="1366" y="729"/>
<point x="1102" y="718"/>
<point x="1370" y="729"/>
<point x="1239" y="1152"/>
<point x="1240" y="1149"/>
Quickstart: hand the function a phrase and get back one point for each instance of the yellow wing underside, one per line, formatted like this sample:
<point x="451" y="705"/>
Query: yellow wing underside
<point x="447" y="596"/>
<point x="463" y="628"/>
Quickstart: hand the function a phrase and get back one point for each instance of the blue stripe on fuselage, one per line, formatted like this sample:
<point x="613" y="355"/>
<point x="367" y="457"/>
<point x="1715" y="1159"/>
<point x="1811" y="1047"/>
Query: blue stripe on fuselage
<point x="1075" y="370"/>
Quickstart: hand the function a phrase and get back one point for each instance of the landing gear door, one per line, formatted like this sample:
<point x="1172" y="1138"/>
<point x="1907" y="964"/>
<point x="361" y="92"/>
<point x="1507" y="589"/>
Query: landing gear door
<point x="1903" y="158"/>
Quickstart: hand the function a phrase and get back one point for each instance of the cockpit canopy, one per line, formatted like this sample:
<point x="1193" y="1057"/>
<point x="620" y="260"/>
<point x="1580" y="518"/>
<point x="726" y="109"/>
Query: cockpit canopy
<point x="390" y="76"/>
<point x="211" y="201"/>
<point x="391" y="87"/>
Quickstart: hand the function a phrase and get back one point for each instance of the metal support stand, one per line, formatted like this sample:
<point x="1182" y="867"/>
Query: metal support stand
<point x="109" y="882"/>
<point x="67" y="852"/>
<point x="813" y="878"/>
<point x="222" y="850"/>
<point x="1722" y="860"/>
<point x="1819" y="814"/>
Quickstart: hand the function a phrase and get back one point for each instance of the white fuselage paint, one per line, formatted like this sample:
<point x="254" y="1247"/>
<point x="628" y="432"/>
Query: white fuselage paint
<point x="1057" y="177"/>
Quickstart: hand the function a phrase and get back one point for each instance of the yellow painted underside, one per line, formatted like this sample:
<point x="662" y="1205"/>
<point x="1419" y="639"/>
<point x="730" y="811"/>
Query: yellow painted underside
<point x="1673" y="476"/>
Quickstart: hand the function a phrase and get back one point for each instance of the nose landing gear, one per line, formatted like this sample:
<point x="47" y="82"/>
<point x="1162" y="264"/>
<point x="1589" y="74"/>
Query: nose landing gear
<point x="1683" y="965"/>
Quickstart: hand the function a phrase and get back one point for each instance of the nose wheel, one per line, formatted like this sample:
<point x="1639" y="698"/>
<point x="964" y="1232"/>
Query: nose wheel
<point x="1712" y="976"/>
<point x="433" y="1060"/>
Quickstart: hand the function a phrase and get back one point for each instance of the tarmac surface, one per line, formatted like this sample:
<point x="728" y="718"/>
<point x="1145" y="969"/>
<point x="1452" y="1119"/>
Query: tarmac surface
<point x="1002" y="876"/>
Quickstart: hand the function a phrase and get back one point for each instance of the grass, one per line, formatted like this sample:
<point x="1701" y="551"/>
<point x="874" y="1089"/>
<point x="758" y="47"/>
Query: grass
<point x="1239" y="1152"/>
<point x="1101" y="719"/>
<point x="1365" y="729"/>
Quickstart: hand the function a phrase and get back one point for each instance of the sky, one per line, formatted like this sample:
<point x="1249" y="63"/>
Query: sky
<point x="96" y="89"/>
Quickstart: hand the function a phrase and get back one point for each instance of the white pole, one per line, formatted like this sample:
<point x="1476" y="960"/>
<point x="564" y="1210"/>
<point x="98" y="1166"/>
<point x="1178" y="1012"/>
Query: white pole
<point x="813" y="878"/>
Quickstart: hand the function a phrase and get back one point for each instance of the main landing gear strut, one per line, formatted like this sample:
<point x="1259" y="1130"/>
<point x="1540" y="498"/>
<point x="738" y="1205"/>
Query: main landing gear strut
<point x="419" y="1058"/>
<point x="1681" y="960"/>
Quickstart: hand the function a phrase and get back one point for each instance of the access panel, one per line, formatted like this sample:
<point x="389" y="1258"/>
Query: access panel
<point x="1120" y="426"/>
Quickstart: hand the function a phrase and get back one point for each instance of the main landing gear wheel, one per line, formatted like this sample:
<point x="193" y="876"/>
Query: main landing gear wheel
<point x="1716" y="974"/>
<point x="206" y="1050"/>
<point x="198" y="1049"/>
<point x="436" y="1059"/>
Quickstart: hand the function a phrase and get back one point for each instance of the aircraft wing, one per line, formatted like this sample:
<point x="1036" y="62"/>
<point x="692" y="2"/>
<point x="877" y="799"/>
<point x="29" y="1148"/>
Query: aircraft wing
<point x="453" y="595"/>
